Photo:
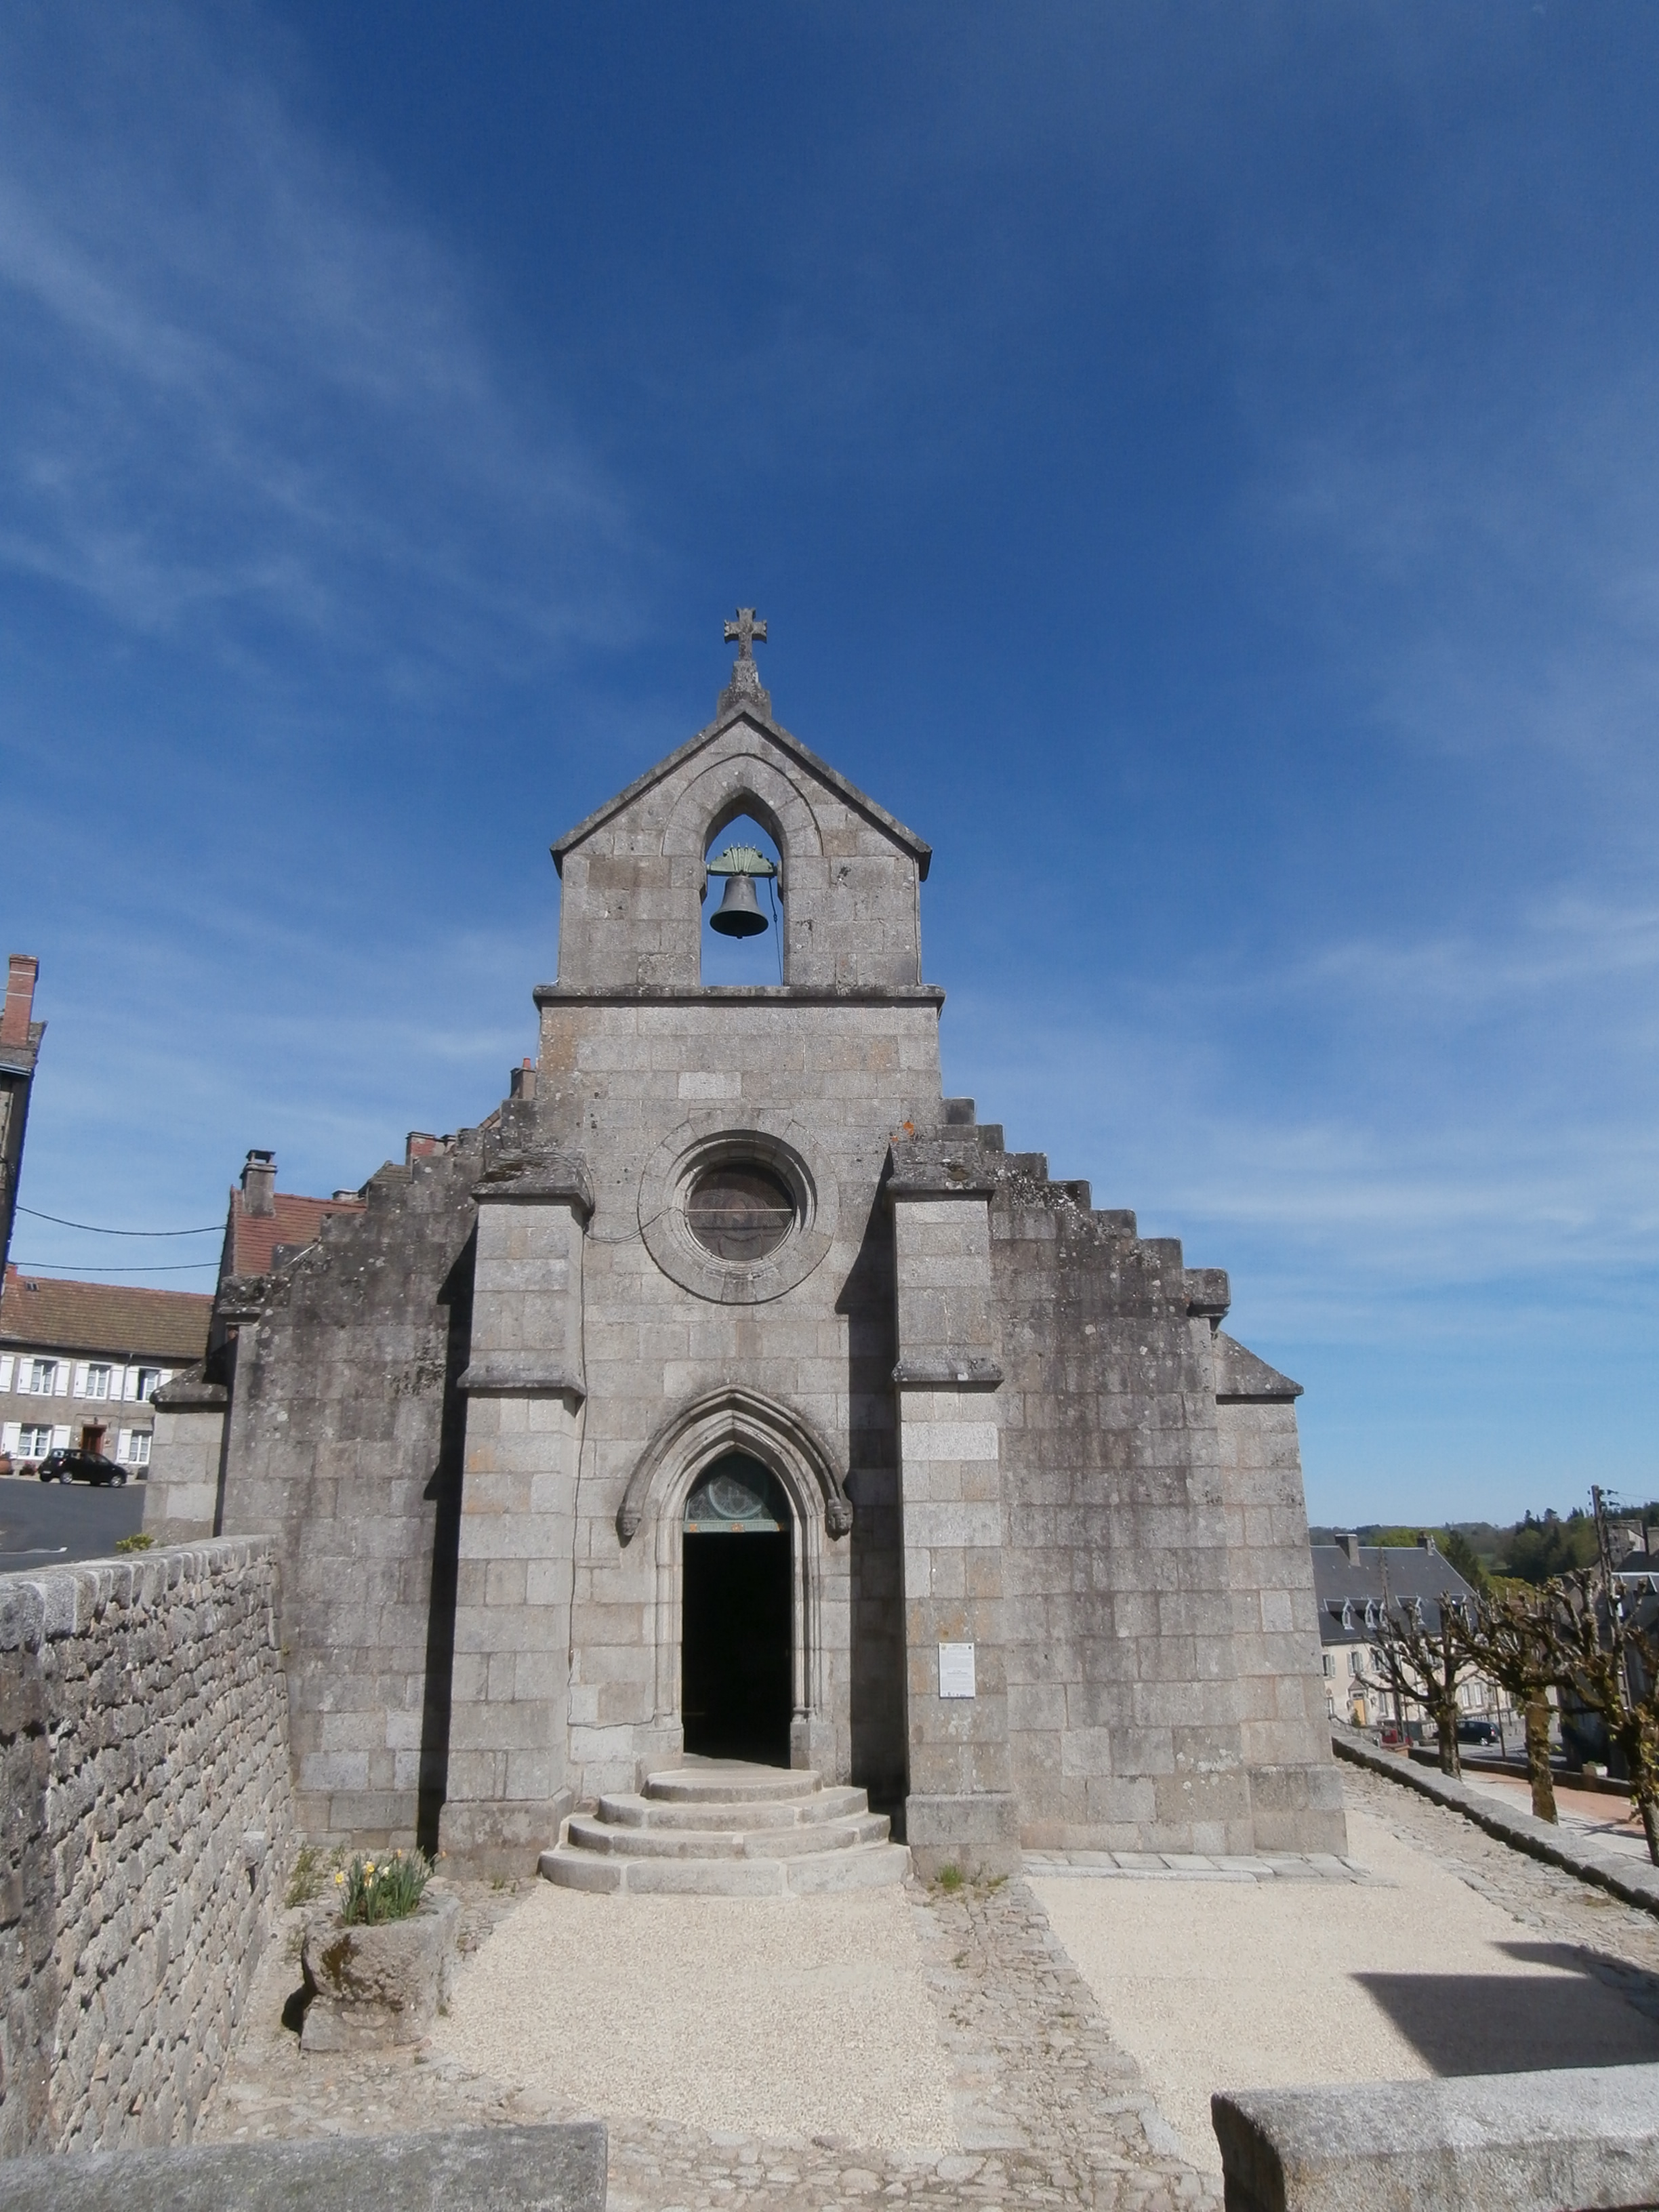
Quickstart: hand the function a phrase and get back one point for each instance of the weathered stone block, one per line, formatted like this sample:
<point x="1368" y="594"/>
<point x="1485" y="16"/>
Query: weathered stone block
<point x="369" y="1987"/>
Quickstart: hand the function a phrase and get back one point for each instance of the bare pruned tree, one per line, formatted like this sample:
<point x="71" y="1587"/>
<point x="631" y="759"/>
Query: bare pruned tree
<point x="1611" y="1667"/>
<point x="1426" y="1665"/>
<point x="1513" y="1636"/>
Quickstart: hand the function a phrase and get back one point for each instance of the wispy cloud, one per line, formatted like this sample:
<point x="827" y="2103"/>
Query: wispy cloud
<point x="1442" y="1111"/>
<point x="246" y="394"/>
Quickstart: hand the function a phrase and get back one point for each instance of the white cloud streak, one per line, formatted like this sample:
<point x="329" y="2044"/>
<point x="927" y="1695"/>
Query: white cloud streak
<point x="245" y="393"/>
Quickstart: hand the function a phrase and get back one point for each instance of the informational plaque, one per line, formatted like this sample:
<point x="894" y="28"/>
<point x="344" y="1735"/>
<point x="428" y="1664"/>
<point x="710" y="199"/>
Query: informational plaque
<point x="956" y="1670"/>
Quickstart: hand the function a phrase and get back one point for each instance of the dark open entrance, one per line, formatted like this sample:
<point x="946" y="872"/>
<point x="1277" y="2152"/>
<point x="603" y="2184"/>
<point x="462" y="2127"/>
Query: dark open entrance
<point x="735" y="1658"/>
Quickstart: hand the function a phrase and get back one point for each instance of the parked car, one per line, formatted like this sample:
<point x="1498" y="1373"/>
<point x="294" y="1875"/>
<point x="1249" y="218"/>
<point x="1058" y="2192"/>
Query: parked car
<point x="73" y="1466"/>
<point x="1478" y="1732"/>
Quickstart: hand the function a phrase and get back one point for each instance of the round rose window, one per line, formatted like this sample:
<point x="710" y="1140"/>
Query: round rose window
<point x="740" y="1209"/>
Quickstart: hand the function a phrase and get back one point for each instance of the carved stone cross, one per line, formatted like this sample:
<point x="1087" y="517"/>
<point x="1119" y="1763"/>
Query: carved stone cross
<point x="743" y="632"/>
<point x="745" y="689"/>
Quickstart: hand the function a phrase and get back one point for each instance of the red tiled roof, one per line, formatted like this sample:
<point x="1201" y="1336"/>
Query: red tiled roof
<point x="249" y="1238"/>
<point x="109" y="1317"/>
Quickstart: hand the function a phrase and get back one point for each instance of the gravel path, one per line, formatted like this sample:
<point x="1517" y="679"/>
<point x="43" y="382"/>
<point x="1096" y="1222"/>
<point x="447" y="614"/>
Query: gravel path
<point x="768" y="2016"/>
<point x="1020" y="2099"/>
<point x="980" y="2069"/>
<point x="1411" y="1975"/>
<point x="1618" y="1940"/>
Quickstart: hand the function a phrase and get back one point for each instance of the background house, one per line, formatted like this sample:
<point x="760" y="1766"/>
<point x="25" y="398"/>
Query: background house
<point x="79" y="1363"/>
<point x="1353" y="1583"/>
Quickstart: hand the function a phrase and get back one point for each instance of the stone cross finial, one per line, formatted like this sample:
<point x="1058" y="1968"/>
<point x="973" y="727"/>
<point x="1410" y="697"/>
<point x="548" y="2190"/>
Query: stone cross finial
<point x="743" y="632"/>
<point x="745" y="687"/>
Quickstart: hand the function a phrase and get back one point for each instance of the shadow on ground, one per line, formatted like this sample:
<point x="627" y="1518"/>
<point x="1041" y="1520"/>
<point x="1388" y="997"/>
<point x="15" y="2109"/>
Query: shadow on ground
<point x="1587" y="2012"/>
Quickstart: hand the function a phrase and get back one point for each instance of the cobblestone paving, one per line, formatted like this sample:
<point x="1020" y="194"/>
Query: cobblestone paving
<point x="1617" y="1942"/>
<point x="1048" y="2111"/>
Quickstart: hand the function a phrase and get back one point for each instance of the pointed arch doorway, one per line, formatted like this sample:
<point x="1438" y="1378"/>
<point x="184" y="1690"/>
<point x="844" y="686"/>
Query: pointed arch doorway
<point x="737" y="1614"/>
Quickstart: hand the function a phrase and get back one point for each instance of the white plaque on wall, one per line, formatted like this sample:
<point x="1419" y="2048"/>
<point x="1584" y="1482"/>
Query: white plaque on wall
<point x="956" y="1670"/>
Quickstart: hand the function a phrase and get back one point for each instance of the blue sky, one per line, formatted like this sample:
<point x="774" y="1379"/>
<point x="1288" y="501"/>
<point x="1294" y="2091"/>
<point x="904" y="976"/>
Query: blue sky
<point x="1201" y="468"/>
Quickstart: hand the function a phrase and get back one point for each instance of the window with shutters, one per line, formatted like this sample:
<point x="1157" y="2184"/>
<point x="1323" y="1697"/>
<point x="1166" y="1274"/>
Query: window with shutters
<point x="43" y="1378"/>
<point x="98" y="1381"/>
<point x="33" y="1441"/>
<point x="135" y="1447"/>
<point x="149" y="1379"/>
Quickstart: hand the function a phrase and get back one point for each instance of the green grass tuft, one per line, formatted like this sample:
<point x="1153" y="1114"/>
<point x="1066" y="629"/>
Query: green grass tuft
<point x="305" y="1880"/>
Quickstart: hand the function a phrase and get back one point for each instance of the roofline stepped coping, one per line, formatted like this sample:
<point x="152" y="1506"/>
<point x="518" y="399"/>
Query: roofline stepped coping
<point x="918" y="848"/>
<point x="1243" y="1379"/>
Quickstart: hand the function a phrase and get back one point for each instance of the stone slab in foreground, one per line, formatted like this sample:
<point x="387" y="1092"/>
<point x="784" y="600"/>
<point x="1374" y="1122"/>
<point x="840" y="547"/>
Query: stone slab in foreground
<point x="1585" y="2139"/>
<point x="541" y="2169"/>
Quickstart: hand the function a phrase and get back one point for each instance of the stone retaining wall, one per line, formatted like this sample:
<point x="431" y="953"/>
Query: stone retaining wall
<point x="144" y="1815"/>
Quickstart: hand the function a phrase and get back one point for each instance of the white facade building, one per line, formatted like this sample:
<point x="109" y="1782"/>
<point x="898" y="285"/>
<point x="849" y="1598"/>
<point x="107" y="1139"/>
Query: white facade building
<point x="79" y="1363"/>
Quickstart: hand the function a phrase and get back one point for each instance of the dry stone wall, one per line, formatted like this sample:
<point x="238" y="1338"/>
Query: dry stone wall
<point x="144" y="1824"/>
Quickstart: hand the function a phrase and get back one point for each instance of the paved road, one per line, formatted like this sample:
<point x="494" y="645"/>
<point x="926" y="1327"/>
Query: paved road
<point x="45" y="1524"/>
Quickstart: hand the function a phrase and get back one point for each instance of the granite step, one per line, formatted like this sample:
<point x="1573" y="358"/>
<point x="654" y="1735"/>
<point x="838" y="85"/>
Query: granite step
<point x="584" y="1833"/>
<point x="815" y="1873"/>
<point x="728" y="1830"/>
<point x="628" y="1809"/>
<point x="731" y="1783"/>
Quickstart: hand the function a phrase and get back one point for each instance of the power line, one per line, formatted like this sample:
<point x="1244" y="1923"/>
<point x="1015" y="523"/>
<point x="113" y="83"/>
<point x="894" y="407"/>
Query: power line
<point x="208" y="1229"/>
<point x="92" y="1268"/>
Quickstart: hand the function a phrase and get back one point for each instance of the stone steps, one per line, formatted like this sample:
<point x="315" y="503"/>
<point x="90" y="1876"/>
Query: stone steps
<point x="626" y="1810"/>
<point x="585" y="1834"/>
<point x="728" y="1831"/>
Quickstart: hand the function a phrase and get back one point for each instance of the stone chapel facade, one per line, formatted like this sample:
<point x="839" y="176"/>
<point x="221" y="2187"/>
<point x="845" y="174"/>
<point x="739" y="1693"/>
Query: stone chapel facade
<point x="1023" y="1548"/>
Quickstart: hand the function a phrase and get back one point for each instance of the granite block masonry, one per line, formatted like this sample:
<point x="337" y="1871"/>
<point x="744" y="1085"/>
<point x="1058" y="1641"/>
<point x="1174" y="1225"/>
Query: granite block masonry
<point x="1562" y="2142"/>
<point x="145" y="1808"/>
<point x="523" y="2169"/>
<point x="730" y="1390"/>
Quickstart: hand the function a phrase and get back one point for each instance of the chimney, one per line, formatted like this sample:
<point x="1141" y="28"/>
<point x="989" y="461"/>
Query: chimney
<point x="22" y="970"/>
<point x="521" y="1082"/>
<point x="1427" y="1543"/>
<point x="259" y="1185"/>
<point x="1349" y="1539"/>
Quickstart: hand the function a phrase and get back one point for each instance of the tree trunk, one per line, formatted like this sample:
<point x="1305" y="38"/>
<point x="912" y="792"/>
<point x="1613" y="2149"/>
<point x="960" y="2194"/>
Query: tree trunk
<point x="1631" y="1739"/>
<point x="1644" y="1787"/>
<point x="1538" y="1760"/>
<point x="1446" y="1728"/>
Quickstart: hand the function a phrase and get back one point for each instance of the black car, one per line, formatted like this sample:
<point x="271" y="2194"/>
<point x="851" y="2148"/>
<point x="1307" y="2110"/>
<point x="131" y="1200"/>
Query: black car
<point x="1477" y="1732"/>
<point x="72" y="1466"/>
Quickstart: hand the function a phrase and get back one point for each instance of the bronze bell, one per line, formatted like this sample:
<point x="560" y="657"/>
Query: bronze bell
<point x="738" y="914"/>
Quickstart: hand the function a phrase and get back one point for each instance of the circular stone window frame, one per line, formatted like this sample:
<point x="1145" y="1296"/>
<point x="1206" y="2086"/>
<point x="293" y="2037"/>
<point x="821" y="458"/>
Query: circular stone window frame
<point x="714" y="1138"/>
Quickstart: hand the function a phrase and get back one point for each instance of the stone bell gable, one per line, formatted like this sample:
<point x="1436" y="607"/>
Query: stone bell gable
<point x="633" y="874"/>
<point x="728" y="1385"/>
